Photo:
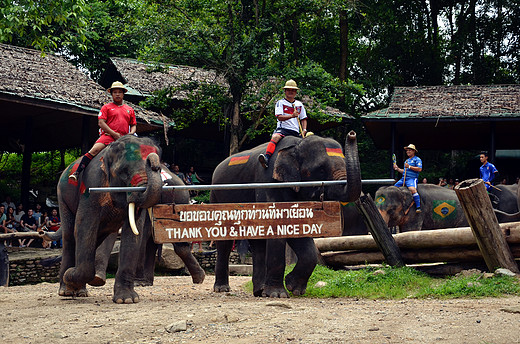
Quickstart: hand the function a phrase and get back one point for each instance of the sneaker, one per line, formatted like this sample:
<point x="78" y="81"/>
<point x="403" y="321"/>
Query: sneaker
<point x="264" y="160"/>
<point x="74" y="176"/>
<point x="418" y="210"/>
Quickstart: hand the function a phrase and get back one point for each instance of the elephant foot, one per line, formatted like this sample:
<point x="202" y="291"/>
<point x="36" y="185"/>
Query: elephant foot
<point x="66" y="290"/>
<point x="125" y="295"/>
<point x="258" y="291"/>
<point x="98" y="281"/>
<point x="198" y="276"/>
<point x="297" y="286"/>
<point x="275" y="292"/>
<point x="221" y="288"/>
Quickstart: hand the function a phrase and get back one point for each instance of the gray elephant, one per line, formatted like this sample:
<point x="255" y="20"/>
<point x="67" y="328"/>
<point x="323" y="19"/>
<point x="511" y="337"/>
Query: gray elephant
<point x="144" y="274"/>
<point x="87" y="219"/>
<point x="440" y="207"/>
<point x="295" y="159"/>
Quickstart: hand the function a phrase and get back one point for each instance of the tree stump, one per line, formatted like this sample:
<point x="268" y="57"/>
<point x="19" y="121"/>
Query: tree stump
<point x="479" y="212"/>
<point x="379" y="231"/>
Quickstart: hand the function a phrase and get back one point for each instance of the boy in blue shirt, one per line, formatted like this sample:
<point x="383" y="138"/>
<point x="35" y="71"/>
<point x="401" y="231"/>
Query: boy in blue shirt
<point x="487" y="170"/>
<point x="412" y="167"/>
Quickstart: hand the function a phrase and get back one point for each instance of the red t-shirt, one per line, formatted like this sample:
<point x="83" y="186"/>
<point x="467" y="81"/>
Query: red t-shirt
<point x="118" y="117"/>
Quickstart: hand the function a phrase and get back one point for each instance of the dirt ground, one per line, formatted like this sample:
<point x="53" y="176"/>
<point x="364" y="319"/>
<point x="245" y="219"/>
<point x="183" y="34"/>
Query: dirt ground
<point x="36" y="314"/>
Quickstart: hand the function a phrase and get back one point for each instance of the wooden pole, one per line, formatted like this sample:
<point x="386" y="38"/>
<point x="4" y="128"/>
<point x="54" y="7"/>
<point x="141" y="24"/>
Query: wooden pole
<point x="477" y="207"/>
<point x="21" y="235"/>
<point x="435" y="238"/>
<point x="445" y="254"/>
<point x="379" y="230"/>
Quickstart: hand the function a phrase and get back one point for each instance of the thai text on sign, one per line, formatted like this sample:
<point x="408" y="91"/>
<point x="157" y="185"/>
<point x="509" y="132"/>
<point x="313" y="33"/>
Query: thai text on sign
<point x="205" y="222"/>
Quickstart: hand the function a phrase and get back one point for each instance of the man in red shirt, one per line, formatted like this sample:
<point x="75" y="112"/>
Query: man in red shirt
<point x="115" y="120"/>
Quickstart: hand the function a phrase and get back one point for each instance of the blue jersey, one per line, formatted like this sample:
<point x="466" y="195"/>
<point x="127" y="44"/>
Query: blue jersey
<point x="415" y="162"/>
<point x="487" y="173"/>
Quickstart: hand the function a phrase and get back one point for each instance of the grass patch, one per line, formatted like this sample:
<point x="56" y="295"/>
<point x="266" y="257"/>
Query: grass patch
<point x="400" y="283"/>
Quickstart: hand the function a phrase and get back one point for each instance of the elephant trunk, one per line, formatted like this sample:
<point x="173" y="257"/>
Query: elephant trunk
<point x="352" y="190"/>
<point x="152" y="195"/>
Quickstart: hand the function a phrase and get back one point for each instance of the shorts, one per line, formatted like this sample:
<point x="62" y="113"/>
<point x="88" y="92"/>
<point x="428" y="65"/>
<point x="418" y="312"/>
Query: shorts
<point x="105" y="139"/>
<point x="286" y="132"/>
<point x="410" y="182"/>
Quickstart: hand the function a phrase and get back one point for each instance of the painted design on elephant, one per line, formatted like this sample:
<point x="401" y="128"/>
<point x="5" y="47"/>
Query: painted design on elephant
<point x="238" y="160"/>
<point x="380" y="200"/>
<point x="135" y="152"/>
<point x="334" y="151"/>
<point x="139" y="179"/>
<point x="71" y="169"/>
<point x="83" y="189"/>
<point x="444" y="210"/>
<point x="344" y="204"/>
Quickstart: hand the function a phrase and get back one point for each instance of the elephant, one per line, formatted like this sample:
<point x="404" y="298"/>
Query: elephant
<point x="146" y="263"/>
<point x="440" y="207"/>
<point x="87" y="219"/>
<point x="295" y="159"/>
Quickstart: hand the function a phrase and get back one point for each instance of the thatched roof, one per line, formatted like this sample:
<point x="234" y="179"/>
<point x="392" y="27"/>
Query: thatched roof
<point x="454" y="102"/>
<point x="143" y="78"/>
<point x="52" y="92"/>
<point x="448" y="117"/>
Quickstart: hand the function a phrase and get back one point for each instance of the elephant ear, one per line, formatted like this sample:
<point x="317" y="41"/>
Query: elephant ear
<point x="286" y="167"/>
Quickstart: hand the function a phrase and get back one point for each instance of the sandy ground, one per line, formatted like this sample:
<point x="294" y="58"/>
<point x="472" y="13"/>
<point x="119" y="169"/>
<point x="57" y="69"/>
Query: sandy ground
<point x="36" y="314"/>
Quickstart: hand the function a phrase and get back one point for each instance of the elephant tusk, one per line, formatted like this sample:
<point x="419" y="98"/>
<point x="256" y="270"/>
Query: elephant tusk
<point x="150" y="213"/>
<point x="131" y="218"/>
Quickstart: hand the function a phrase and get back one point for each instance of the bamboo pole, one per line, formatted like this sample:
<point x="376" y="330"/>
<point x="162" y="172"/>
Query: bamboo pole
<point x="478" y="210"/>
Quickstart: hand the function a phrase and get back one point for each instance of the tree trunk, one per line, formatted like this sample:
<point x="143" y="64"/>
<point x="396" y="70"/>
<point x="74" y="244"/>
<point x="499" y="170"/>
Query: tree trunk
<point x="343" y="42"/>
<point x="478" y="210"/>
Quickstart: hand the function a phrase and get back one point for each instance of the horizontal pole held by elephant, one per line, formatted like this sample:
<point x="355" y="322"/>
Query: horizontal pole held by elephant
<point x="237" y="221"/>
<point x="243" y="186"/>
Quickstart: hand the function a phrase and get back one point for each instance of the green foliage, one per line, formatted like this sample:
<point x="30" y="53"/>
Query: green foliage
<point x="45" y="171"/>
<point x="44" y="24"/>
<point x="400" y="283"/>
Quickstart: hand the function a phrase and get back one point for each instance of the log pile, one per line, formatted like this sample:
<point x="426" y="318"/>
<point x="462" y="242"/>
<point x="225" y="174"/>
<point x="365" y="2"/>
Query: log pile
<point x="440" y="245"/>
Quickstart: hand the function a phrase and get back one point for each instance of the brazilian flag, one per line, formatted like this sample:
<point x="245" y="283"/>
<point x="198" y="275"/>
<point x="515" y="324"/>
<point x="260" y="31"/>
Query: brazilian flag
<point x="444" y="210"/>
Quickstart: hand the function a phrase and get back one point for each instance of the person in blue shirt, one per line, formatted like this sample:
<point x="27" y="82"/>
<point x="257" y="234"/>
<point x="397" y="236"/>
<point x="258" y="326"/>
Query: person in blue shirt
<point x="487" y="170"/>
<point x="412" y="167"/>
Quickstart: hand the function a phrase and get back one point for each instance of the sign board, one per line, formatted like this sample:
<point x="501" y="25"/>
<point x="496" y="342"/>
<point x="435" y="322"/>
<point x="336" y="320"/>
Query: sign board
<point x="236" y="221"/>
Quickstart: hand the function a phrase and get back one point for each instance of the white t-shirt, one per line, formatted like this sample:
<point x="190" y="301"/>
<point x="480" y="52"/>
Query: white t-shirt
<point x="285" y="107"/>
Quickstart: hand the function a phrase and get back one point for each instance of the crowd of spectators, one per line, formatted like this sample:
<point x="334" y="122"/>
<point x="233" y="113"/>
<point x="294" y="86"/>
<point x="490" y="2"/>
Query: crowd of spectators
<point x="15" y="218"/>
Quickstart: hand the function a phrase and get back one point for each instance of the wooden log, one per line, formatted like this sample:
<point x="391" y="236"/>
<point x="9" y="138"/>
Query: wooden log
<point x="20" y="235"/>
<point x="449" y="237"/>
<point x="477" y="207"/>
<point x="461" y="254"/>
<point x="379" y="230"/>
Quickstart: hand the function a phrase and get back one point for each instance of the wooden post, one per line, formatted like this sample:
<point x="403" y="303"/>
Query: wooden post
<point x="477" y="207"/>
<point x="379" y="230"/>
<point x="4" y="266"/>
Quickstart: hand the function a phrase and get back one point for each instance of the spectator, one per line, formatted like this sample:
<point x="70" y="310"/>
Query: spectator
<point x="3" y="220"/>
<point x="503" y="181"/>
<point x="38" y="214"/>
<point x="27" y="224"/>
<point x="8" y="203"/>
<point x="53" y="224"/>
<point x="177" y="171"/>
<point x="457" y="182"/>
<point x="11" y="224"/>
<point x="442" y="182"/>
<point x="450" y="184"/>
<point x="195" y="178"/>
<point x="18" y="213"/>
<point x="425" y="181"/>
